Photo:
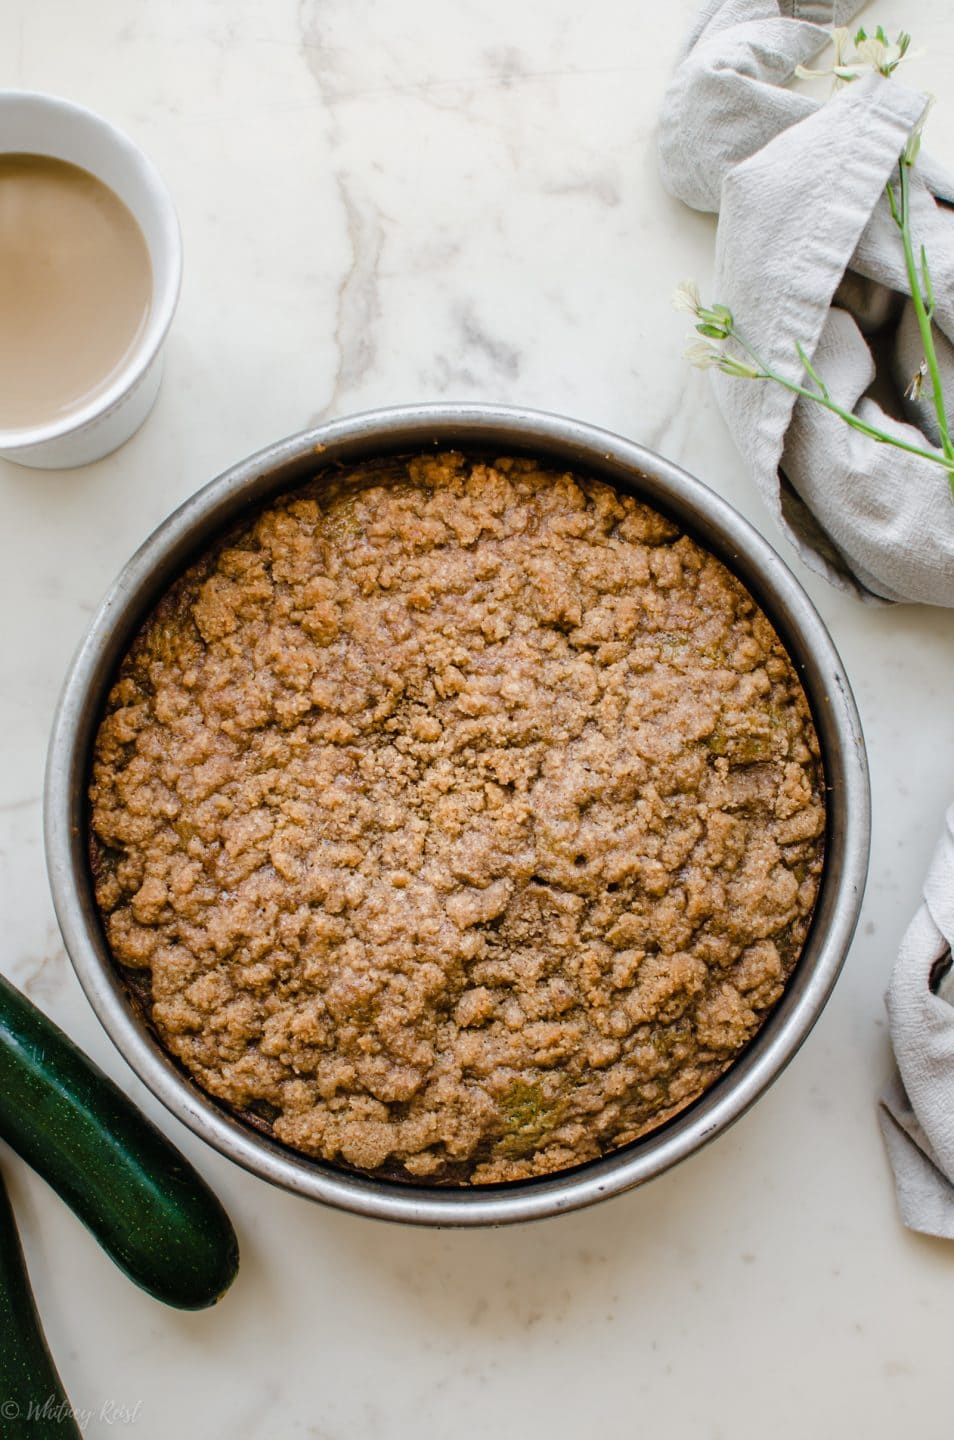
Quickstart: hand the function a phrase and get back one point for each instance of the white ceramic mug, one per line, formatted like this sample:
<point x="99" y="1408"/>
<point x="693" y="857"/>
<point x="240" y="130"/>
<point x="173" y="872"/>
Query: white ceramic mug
<point x="45" y="125"/>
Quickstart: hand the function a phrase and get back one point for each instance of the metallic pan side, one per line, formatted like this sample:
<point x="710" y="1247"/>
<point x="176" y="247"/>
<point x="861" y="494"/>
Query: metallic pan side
<point x="503" y="431"/>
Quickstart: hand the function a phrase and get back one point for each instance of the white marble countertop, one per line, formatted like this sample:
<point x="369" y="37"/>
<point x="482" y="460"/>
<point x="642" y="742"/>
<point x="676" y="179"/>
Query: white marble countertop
<point x="385" y="203"/>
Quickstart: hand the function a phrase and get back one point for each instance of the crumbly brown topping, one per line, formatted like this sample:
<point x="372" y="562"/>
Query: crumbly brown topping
<point x="465" y="818"/>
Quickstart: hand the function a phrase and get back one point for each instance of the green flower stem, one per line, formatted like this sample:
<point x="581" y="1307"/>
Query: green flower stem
<point x="923" y="314"/>
<point x="821" y="397"/>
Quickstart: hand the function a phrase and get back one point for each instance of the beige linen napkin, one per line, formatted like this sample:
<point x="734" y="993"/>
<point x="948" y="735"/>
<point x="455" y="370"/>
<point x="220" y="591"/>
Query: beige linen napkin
<point x="806" y="250"/>
<point x="917" y="1109"/>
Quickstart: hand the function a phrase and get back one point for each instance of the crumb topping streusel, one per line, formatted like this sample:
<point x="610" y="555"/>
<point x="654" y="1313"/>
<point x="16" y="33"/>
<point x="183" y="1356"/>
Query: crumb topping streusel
<point x="463" y="820"/>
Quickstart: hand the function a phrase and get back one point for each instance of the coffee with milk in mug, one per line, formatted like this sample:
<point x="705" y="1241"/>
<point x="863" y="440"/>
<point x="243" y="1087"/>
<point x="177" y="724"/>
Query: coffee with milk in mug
<point x="75" y="288"/>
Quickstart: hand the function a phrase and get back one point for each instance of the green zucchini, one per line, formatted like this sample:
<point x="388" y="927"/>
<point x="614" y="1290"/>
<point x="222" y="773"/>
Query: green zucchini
<point x="143" y="1202"/>
<point x="33" y="1402"/>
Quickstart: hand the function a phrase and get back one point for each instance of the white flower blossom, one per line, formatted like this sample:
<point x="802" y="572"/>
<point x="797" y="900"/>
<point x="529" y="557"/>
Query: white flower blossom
<point x="878" y="52"/>
<point x="841" y="39"/>
<point x="704" y="355"/>
<point x="686" y="297"/>
<point x="869" y="52"/>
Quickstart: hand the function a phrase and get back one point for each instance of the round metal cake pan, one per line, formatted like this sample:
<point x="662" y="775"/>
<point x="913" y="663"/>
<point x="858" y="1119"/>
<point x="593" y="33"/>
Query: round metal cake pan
<point x="476" y="429"/>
